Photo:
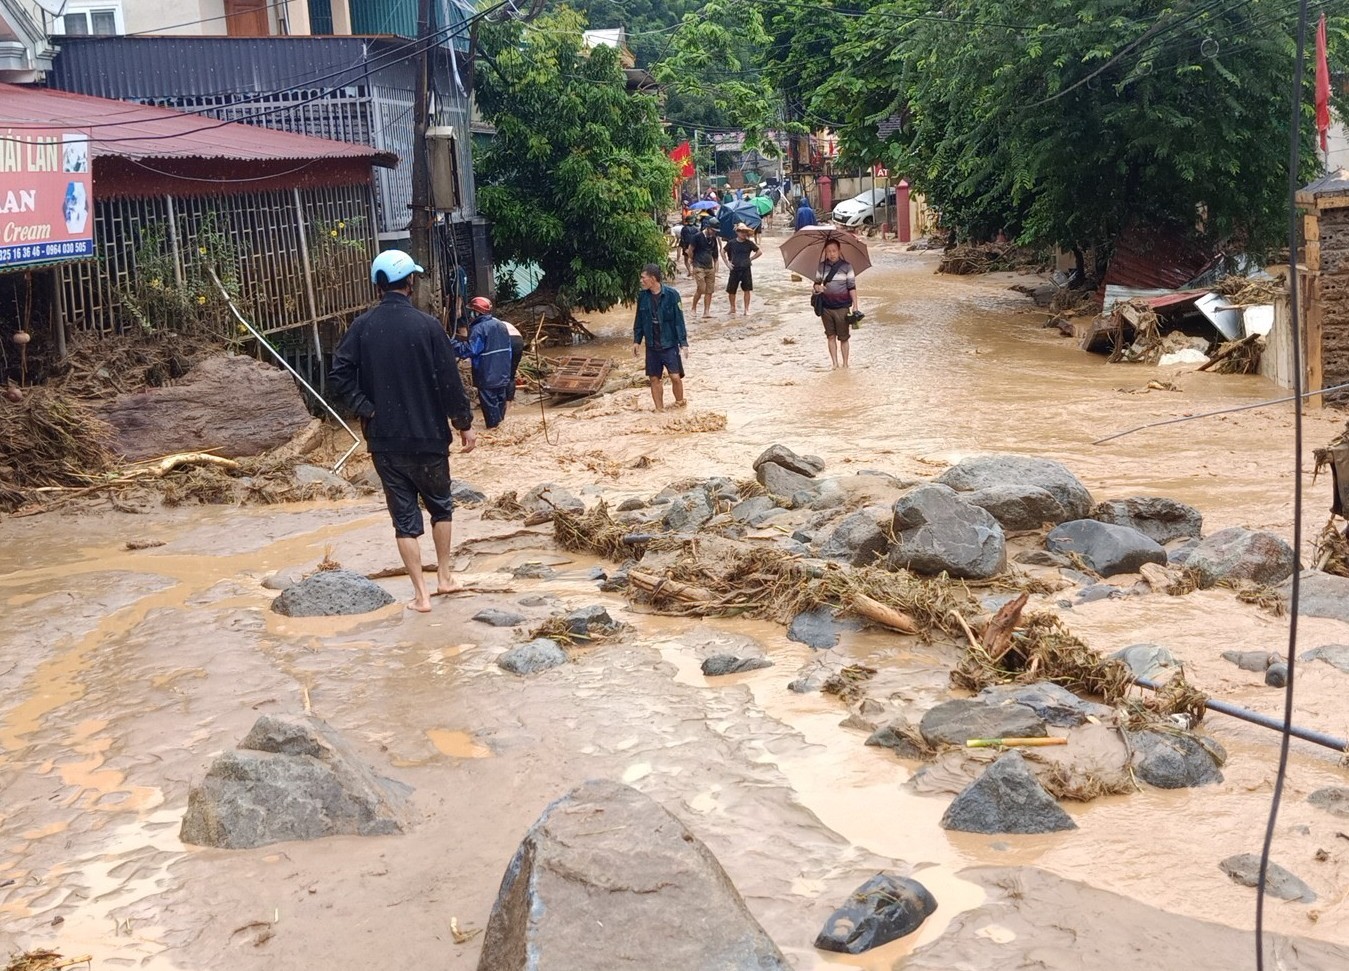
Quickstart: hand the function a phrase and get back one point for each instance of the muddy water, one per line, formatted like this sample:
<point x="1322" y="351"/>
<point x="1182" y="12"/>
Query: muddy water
<point x="122" y="674"/>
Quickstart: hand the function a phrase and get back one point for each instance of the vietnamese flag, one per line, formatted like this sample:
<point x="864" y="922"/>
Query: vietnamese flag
<point x="1322" y="84"/>
<point x="682" y="156"/>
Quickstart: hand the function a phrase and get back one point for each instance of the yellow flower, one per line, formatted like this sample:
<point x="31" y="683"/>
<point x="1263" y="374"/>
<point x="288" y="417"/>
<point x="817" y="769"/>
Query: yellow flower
<point x="200" y="300"/>
<point x="156" y="284"/>
<point x="332" y="233"/>
<point x="201" y="250"/>
<point x="341" y="225"/>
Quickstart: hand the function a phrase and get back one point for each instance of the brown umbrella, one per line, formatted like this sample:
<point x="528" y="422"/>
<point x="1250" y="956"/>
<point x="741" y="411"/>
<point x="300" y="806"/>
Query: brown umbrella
<point x="803" y="251"/>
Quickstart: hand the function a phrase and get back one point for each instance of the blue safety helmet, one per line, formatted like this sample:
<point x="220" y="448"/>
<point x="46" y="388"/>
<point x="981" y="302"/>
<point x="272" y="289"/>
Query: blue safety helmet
<point x="392" y="266"/>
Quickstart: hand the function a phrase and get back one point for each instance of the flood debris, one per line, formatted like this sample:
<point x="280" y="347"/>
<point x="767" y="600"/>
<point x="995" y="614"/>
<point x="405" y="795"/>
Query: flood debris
<point x="46" y="960"/>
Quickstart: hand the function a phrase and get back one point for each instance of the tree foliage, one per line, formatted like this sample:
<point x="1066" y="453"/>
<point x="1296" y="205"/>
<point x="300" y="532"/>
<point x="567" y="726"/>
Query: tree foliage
<point x="576" y="170"/>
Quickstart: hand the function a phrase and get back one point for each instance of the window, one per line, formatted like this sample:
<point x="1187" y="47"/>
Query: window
<point x="95" y="21"/>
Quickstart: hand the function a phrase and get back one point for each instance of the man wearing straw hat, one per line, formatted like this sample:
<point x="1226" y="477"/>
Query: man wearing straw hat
<point x="740" y="253"/>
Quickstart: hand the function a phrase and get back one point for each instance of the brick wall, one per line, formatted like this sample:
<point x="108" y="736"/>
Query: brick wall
<point x="1333" y="293"/>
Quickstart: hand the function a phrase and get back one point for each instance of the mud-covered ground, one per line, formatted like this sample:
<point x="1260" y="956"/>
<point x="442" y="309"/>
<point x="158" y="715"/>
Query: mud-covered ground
<point x="124" y="673"/>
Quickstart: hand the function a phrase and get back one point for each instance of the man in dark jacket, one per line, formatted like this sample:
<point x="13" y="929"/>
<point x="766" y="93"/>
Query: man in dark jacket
<point x="487" y="344"/>
<point x="660" y="324"/>
<point x="396" y="369"/>
<point x="805" y="216"/>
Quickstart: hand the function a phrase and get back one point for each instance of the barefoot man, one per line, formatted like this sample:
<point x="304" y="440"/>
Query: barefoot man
<point x="397" y="371"/>
<point x="660" y="323"/>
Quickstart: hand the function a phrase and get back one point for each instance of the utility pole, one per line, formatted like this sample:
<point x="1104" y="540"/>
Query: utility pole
<point x="421" y="247"/>
<point x="697" y="167"/>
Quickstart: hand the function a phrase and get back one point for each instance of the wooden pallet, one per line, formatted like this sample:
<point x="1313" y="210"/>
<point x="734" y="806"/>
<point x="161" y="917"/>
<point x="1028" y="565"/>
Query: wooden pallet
<point x="577" y="376"/>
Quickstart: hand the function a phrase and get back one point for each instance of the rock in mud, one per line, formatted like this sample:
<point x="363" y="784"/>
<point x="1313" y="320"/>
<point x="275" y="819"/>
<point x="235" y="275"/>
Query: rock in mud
<point x="235" y="406"/>
<point x="804" y="685"/>
<point x="1161" y="520"/>
<point x="462" y="492"/>
<point x="587" y="622"/>
<point x="1336" y="655"/>
<point x="1107" y="549"/>
<point x="1151" y="661"/>
<point x="1098" y="591"/>
<point x="1170" y="760"/>
<point x="1053" y="703"/>
<point x="1006" y="798"/>
<point x="1276" y="675"/>
<point x="861" y="538"/>
<point x="1177" y="555"/>
<point x="292" y="778"/>
<point x="1018" y="506"/>
<point x="1238" y="553"/>
<point x="333" y="486"/>
<point x="1321" y="595"/>
<point x="1244" y="868"/>
<point x="281" y="580"/>
<point x="1252" y="660"/>
<point x="688" y="512"/>
<point x="818" y="628"/>
<point x="954" y="722"/>
<point x="937" y="531"/>
<point x="496" y="617"/>
<point x="807" y="465"/>
<point x="787" y="484"/>
<point x="747" y="510"/>
<point x="897" y="736"/>
<point x="1333" y="799"/>
<point x="607" y="880"/>
<point x="883" y="909"/>
<point x="532" y="571"/>
<point x="719" y="664"/>
<point x="548" y="496"/>
<point x="331" y="593"/>
<point x="1041" y="558"/>
<point x="631" y="503"/>
<point x="533" y="657"/>
<point x="987" y="471"/>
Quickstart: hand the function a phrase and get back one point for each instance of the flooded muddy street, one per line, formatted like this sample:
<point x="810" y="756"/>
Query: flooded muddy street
<point x="123" y="674"/>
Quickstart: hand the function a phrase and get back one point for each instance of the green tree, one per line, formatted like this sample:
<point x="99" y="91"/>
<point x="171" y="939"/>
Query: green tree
<point x="575" y="173"/>
<point x="1064" y="121"/>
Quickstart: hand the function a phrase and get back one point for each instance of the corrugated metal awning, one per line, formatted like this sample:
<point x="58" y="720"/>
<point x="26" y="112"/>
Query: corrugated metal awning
<point x="121" y="129"/>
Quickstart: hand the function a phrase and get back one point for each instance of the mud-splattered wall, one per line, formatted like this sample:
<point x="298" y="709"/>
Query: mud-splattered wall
<point x="1333" y="294"/>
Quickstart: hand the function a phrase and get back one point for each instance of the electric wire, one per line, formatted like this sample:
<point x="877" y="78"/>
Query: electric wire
<point x="1294" y="595"/>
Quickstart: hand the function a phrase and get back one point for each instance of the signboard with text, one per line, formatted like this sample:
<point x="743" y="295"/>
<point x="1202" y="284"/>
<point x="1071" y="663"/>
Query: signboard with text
<point x="46" y="196"/>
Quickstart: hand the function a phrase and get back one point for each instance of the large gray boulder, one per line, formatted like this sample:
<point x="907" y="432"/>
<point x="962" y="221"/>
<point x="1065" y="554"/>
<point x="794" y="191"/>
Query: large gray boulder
<point x="1321" y="595"/>
<point x="1238" y="553"/>
<point x="861" y="538"/>
<point x="292" y="778"/>
<point x="1053" y="703"/>
<point x="1162" y="520"/>
<point x="1105" y="548"/>
<point x="1007" y="798"/>
<point x="1150" y="661"/>
<point x="783" y="482"/>
<point x="533" y="656"/>
<point x="884" y="909"/>
<point x="331" y="593"/>
<point x="954" y="722"/>
<point x="1244" y="868"/>
<point x="688" y="512"/>
<point x="1333" y="799"/>
<point x="807" y="465"/>
<point x="937" y="531"/>
<point x="720" y="664"/>
<point x="607" y="880"/>
<point x="1336" y="655"/>
<point x="1019" y="506"/>
<point x="1173" y="760"/>
<point x="986" y="471"/>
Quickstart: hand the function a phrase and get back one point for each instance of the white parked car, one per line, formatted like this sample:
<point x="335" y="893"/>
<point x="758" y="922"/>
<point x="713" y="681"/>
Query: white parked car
<point x="860" y="210"/>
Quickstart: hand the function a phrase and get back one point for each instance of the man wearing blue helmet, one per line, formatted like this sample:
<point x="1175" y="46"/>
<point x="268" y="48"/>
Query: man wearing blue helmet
<point x="397" y="371"/>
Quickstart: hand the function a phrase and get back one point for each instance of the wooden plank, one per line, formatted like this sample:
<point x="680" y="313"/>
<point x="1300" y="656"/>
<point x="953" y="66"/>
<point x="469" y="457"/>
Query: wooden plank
<point x="577" y="376"/>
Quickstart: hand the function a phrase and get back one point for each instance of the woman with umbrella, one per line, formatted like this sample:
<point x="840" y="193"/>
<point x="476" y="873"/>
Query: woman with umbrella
<point x="833" y="259"/>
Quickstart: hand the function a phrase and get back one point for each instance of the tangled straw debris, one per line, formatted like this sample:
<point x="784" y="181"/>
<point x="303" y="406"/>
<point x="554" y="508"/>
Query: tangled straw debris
<point x="44" y="960"/>
<point x="505" y="506"/>
<point x="702" y="421"/>
<point x="51" y="440"/>
<point x="1332" y="550"/>
<point x="1062" y="782"/>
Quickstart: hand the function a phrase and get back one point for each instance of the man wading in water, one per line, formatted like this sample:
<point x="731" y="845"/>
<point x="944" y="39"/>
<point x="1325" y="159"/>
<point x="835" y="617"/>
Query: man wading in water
<point x="740" y="253"/>
<point x="836" y="285"/>
<point x="660" y="322"/>
<point x="397" y="371"/>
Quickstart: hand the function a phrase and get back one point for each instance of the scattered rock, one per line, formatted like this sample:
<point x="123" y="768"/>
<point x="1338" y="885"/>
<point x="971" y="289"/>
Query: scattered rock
<point x="1162" y="520"/>
<point x="631" y="503"/>
<point x="1171" y="760"/>
<point x="532" y="571"/>
<point x="292" y="778"/>
<point x="883" y="909"/>
<point x="1150" y="661"/>
<point x="589" y="621"/>
<point x="1041" y="558"/>
<point x="331" y="593"/>
<point x="280" y="581"/>
<point x="1106" y="548"/>
<point x="1252" y="660"/>
<point x="953" y="722"/>
<point x="987" y="471"/>
<point x="1321" y="595"/>
<point x="804" y="685"/>
<point x="937" y="531"/>
<point x="747" y="509"/>
<point x="1098" y="591"/>
<point x="1276" y="675"/>
<point x="719" y="664"/>
<point x="1244" y="868"/>
<point x="897" y="736"/>
<point x="1336" y="655"/>
<point x="688" y="512"/>
<point x="1238" y="553"/>
<point x="616" y="581"/>
<point x="806" y="465"/>
<point x="784" y="482"/>
<point x="536" y="600"/>
<point x="334" y="486"/>
<point x="533" y="657"/>
<point x="861" y="538"/>
<point x="1333" y="799"/>
<point x="462" y="492"/>
<point x="1006" y="798"/>
<point x="1053" y="703"/>
<point x="1018" y="506"/>
<point x="606" y="879"/>
<point x="496" y="617"/>
<point x="1177" y="555"/>
<point x="818" y="628"/>
<point x="549" y="496"/>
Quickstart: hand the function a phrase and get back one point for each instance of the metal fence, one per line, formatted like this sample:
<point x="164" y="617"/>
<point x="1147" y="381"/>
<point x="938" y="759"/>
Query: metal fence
<point x="291" y="258"/>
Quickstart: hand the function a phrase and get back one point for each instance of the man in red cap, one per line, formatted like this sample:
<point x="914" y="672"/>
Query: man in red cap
<point x="487" y="344"/>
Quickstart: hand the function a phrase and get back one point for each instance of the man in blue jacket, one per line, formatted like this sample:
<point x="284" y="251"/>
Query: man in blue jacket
<point x="396" y="369"/>
<point x="487" y="344"/>
<point x="660" y="324"/>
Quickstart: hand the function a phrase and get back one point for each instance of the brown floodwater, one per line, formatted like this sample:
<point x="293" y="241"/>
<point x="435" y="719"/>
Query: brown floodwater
<point x="123" y="674"/>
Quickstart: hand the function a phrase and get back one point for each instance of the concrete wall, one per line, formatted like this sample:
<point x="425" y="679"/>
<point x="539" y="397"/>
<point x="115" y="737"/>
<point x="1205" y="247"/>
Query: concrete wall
<point x="1333" y="294"/>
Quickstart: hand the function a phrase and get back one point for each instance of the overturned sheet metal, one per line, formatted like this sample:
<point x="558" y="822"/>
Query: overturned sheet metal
<point x="1223" y="316"/>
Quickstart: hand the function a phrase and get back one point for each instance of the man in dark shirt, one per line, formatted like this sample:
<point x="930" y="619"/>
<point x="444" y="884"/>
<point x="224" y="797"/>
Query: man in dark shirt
<point x="396" y="369"/>
<point x="705" y="250"/>
<point x="740" y="253"/>
<point x="687" y="234"/>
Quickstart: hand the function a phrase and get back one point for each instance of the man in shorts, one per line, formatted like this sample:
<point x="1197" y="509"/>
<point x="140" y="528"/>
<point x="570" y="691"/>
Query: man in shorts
<point x="396" y="369"/>
<point x="660" y="324"/>
<point x="836" y="284"/>
<point x="740" y="253"/>
<point x="688" y="232"/>
<point x="705" y="250"/>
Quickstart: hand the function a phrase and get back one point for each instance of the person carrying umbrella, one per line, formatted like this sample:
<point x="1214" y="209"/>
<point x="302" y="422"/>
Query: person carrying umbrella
<point x="765" y="205"/>
<point x="740" y="253"/>
<point x="836" y="287"/>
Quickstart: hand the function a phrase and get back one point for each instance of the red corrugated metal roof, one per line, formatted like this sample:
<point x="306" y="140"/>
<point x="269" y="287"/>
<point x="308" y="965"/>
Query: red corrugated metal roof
<point x="1155" y="261"/>
<point x="147" y="132"/>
